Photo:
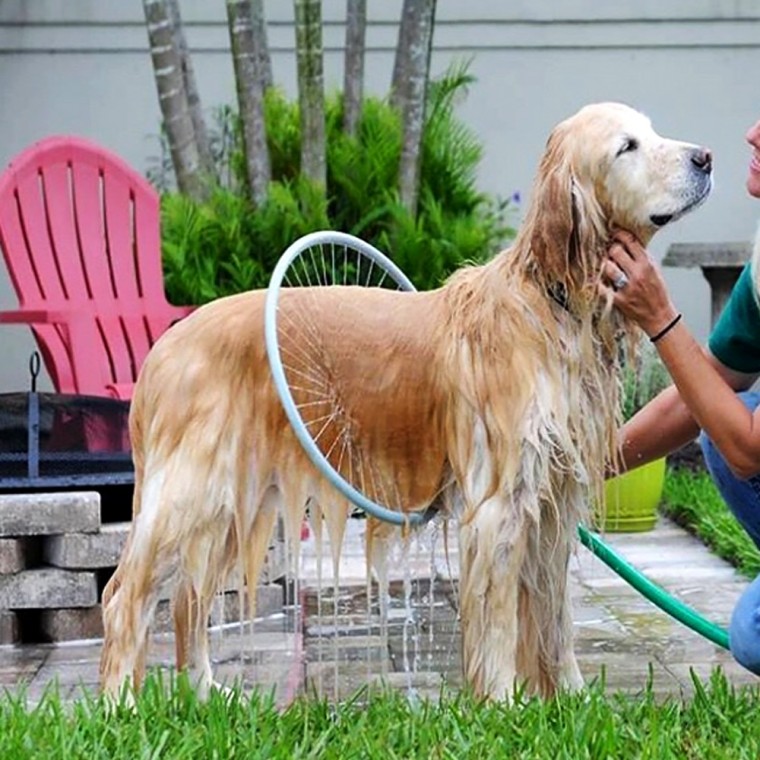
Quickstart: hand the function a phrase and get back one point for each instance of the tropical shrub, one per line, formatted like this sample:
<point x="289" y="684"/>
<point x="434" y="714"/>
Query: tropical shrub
<point x="226" y="245"/>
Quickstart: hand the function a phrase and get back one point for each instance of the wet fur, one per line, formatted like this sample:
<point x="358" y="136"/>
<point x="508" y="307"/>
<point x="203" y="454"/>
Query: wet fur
<point x="493" y="398"/>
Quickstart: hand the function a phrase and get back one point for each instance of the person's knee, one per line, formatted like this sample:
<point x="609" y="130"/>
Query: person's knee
<point x="744" y="632"/>
<point x="713" y="458"/>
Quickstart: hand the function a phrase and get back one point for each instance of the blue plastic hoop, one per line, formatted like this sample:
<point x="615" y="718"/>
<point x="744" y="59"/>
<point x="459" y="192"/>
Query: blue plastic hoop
<point x="675" y="608"/>
<point x="318" y="459"/>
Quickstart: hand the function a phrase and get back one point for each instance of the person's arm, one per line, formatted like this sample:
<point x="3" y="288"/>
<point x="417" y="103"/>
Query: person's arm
<point x="734" y="430"/>
<point x="708" y="395"/>
<point x="665" y="424"/>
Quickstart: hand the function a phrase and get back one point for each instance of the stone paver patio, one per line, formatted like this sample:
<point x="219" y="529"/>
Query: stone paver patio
<point x="619" y="634"/>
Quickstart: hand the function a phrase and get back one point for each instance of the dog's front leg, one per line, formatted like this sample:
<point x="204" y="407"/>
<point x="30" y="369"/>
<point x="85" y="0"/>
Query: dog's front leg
<point x="492" y="548"/>
<point x="546" y="628"/>
<point x="569" y="673"/>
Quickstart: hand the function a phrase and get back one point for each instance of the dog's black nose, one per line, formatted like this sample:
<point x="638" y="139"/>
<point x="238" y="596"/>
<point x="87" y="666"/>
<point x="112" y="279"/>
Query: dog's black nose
<point x="702" y="159"/>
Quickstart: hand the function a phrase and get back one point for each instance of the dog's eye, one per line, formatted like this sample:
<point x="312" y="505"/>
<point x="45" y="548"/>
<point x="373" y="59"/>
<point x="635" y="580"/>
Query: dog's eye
<point x="629" y="144"/>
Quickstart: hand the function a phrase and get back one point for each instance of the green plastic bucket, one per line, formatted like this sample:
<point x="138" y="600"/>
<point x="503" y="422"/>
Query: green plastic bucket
<point x="631" y="499"/>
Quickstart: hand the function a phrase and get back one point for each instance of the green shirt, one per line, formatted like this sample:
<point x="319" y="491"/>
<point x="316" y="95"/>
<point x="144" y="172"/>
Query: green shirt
<point x="735" y="339"/>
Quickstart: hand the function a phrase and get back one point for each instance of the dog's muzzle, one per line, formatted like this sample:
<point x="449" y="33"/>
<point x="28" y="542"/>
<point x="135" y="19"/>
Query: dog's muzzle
<point x="701" y="162"/>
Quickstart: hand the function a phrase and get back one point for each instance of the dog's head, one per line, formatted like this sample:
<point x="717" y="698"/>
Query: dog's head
<point x="640" y="180"/>
<point x="606" y="168"/>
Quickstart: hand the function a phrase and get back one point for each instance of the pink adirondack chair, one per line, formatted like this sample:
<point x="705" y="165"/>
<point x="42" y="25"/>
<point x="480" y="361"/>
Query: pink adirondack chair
<point x="79" y="231"/>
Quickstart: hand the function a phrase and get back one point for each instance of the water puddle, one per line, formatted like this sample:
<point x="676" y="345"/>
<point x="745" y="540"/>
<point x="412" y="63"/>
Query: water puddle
<point x="400" y="630"/>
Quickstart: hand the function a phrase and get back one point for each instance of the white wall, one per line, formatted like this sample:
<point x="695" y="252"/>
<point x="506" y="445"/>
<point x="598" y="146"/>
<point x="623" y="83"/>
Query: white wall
<point x="82" y="66"/>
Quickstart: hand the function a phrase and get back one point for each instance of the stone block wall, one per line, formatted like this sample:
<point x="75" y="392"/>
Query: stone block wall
<point x="56" y="556"/>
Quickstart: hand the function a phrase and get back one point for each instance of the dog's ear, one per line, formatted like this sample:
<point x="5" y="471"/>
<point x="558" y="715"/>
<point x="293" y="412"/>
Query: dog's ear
<point x="552" y="209"/>
<point x="566" y="223"/>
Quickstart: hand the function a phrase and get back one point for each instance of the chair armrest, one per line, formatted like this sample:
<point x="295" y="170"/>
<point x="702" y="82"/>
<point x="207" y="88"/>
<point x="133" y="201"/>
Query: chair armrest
<point x="63" y="316"/>
<point x="38" y="316"/>
<point x="66" y="369"/>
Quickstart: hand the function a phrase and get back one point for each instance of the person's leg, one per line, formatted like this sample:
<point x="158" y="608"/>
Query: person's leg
<point x="741" y="496"/>
<point x="743" y="499"/>
<point x="744" y="632"/>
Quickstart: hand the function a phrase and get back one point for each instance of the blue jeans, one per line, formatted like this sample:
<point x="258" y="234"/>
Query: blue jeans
<point x="743" y="499"/>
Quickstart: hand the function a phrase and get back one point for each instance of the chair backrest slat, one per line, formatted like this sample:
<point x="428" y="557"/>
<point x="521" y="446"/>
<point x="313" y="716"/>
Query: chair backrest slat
<point x="117" y="210"/>
<point x="147" y="237"/>
<point x="35" y="231"/>
<point x="117" y="349"/>
<point x="20" y="265"/>
<point x="57" y="194"/>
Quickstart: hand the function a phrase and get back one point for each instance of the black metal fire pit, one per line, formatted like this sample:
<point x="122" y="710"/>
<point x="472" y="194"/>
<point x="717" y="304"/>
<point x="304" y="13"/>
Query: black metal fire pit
<point x="49" y="439"/>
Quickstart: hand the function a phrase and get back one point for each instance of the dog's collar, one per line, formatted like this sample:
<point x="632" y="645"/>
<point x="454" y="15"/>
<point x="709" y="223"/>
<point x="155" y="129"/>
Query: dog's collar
<point x="558" y="293"/>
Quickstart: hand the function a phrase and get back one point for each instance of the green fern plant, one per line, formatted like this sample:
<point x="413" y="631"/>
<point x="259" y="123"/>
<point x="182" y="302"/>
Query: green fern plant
<point x="225" y="245"/>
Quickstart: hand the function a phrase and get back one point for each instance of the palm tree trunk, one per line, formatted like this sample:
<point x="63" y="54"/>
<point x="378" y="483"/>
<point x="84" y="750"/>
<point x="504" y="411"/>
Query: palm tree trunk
<point x="260" y="44"/>
<point x="353" y="82"/>
<point x="311" y="95"/>
<point x="191" y="88"/>
<point x="172" y="98"/>
<point x="250" y="93"/>
<point x="411" y="92"/>
<point x="409" y="21"/>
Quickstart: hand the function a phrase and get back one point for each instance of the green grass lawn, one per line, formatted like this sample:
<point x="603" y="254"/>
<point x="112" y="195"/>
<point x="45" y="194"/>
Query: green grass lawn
<point x="718" y="722"/>
<point x="692" y="500"/>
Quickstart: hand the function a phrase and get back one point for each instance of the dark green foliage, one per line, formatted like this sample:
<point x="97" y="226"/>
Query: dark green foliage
<point x="644" y="377"/>
<point x="226" y="245"/>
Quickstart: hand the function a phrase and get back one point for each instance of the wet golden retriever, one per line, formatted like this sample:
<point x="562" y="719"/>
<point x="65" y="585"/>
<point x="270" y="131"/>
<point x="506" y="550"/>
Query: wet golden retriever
<point x="493" y="398"/>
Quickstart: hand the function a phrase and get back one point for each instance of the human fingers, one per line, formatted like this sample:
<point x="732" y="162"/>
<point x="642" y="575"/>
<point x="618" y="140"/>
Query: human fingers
<point x="615" y="275"/>
<point x="620" y="257"/>
<point x="629" y="243"/>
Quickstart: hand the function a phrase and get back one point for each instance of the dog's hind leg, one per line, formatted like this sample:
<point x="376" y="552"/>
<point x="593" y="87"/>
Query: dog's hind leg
<point x="183" y="606"/>
<point x="138" y="674"/>
<point x="190" y="614"/>
<point x="206" y="560"/>
<point x="492" y="548"/>
<point x="150" y="559"/>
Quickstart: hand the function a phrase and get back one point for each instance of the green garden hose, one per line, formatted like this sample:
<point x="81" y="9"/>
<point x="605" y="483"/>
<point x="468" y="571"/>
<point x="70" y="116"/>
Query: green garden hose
<point x="675" y="608"/>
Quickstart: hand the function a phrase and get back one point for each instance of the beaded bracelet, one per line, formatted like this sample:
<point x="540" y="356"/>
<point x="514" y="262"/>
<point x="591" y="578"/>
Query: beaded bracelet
<point x="665" y="330"/>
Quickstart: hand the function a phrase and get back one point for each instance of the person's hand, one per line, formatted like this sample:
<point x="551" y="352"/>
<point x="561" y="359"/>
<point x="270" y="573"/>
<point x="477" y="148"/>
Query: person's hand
<point x="637" y="286"/>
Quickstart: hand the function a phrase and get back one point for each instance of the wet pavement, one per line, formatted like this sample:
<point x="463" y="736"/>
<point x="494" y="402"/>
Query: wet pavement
<point x="333" y="649"/>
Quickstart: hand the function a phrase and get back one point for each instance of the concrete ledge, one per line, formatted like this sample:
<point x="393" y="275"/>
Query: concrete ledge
<point x="87" y="551"/>
<point x="72" y="624"/>
<point x="49" y="514"/>
<point x="51" y="546"/>
<point x="707" y="255"/>
<point x="9" y="628"/>
<point x="46" y="588"/>
<point x="226" y="608"/>
<point x="90" y="551"/>
<point x="14" y="555"/>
